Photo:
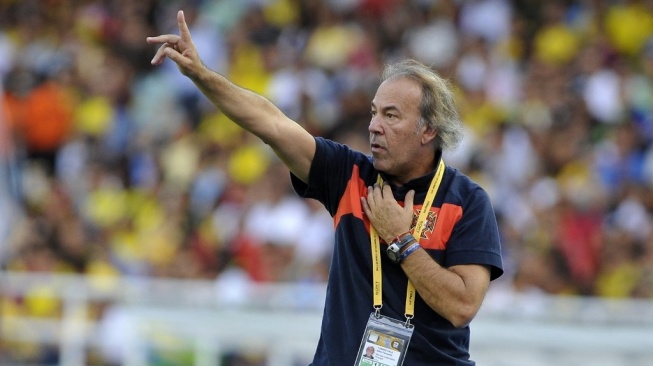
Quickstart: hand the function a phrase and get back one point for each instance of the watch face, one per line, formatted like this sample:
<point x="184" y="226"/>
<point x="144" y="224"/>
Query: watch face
<point x="393" y="253"/>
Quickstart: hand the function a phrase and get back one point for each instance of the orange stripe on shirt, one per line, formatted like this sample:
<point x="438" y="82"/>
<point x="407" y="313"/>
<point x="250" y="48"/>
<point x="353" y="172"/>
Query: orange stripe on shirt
<point x="437" y="230"/>
<point x="439" y="226"/>
<point x="350" y="203"/>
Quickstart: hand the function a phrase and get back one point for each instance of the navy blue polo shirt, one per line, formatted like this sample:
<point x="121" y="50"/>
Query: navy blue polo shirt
<point x="461" y="228"/>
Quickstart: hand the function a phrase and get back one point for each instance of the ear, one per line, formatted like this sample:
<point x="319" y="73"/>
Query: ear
<point x="428" y="135"/>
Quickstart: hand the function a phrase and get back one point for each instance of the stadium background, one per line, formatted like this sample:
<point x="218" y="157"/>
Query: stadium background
<point x="114" y="172"/>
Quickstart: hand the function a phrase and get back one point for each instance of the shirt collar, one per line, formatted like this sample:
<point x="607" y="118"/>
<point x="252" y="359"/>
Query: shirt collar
<point x="418" y="184"/>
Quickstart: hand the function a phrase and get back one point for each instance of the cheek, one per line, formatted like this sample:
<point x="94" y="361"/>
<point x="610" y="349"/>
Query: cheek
<point x="407" y="147"/>
<point x="405" y="140"/>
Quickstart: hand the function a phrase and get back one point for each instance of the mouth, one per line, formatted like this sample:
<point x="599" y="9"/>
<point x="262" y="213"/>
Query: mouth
<point x="375" y="148"/>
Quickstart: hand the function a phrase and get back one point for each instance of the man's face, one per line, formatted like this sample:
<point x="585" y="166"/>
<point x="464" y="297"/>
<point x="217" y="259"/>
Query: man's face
<point x="397" y="142"/>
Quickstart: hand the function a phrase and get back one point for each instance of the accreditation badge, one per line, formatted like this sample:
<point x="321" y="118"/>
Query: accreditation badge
<point x="385" y="342"/>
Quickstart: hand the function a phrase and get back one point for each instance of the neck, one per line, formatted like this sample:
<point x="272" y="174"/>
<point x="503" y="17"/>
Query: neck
<point x="421" y="171"/>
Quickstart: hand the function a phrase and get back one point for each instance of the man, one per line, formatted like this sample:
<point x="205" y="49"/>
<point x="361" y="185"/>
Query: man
<point x="369" y="352"/>
<point x="403" y="220"/>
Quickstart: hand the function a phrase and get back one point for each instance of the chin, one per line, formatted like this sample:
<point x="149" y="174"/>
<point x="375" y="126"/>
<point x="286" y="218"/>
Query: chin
<point x="378" y="165"/>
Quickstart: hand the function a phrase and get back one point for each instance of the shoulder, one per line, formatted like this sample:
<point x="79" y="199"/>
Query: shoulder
<point x="331" y="152"/>
<point x="463" y="190"/>
<point x="333" y="147"/>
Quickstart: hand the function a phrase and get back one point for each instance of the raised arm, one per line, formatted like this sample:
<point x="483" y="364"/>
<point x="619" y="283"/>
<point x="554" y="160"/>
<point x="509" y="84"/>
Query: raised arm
<point x="253" y="112"/>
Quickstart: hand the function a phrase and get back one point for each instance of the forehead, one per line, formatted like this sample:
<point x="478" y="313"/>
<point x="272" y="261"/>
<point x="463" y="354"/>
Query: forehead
<point x="401" y="93"/>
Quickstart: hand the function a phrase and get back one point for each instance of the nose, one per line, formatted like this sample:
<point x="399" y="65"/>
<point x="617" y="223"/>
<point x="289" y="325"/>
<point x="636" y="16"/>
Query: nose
<point x="375" y="125"/>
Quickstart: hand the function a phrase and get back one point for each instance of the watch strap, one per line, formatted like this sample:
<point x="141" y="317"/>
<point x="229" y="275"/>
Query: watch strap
<point x="403" y="239"/>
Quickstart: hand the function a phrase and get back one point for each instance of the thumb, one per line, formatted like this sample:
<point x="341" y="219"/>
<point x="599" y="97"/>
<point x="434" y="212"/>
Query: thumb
<point x="184" y="32"/>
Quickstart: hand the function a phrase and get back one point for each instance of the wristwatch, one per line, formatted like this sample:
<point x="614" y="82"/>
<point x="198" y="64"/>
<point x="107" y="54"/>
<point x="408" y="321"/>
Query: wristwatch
<point x="400" y="242"/>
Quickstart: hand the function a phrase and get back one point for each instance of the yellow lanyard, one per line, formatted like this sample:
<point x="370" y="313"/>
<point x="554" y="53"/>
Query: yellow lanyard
<point x="416" y="232"/>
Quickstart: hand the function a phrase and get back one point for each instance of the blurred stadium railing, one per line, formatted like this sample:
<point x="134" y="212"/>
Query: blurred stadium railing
<point x="135" y="322"/>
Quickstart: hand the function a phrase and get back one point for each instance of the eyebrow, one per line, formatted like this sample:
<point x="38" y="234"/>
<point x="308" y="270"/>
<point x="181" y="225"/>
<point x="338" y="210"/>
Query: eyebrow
<point x="391" y="107"/>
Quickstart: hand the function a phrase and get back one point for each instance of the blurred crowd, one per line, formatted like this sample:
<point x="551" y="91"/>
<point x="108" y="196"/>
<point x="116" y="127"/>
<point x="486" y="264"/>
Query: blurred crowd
<point x="112" y="167"/>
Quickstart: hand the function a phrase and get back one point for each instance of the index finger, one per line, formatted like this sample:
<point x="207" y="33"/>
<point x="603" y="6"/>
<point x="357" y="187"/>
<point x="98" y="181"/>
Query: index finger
<point x="387" y="191"/>
<point x="166" y="38"/>
<point x="184" y="32"/>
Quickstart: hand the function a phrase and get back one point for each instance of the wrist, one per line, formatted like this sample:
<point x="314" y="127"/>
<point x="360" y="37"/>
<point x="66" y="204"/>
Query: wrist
<point x="399" y="238"/>
<point x="408" y="250"/>
<point x="396" y="247"/>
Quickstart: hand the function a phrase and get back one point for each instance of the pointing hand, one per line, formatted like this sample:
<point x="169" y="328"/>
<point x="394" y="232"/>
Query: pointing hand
<point x="178" y="48"/>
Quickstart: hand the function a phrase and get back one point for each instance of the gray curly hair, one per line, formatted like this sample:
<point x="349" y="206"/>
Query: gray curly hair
<point x="437" y="109"/>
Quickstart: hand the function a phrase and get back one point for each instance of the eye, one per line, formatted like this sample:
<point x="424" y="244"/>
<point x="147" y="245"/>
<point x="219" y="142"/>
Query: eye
<point x="373" y="113"/>
<point x="390" y="116"/>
